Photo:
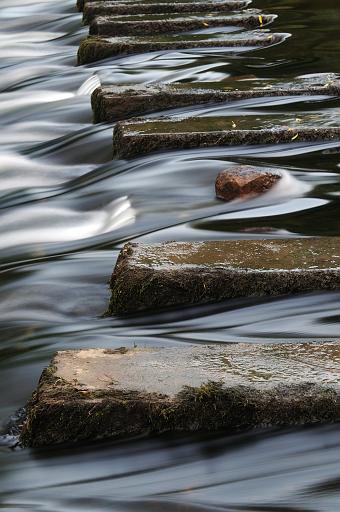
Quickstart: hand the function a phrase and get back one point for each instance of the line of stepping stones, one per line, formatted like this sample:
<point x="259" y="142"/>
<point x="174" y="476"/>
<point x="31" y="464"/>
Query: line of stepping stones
<point x="198" y="388"/>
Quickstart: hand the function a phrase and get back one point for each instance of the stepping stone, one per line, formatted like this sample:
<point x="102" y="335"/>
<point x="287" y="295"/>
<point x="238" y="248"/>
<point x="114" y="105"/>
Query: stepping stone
<point x="244" y="181"/>
<point x="104" y="6"/>
<point x="164" y="24"/>
<point x="94" y="9"/>
<point x="139" y="137"/>
<point x="185" y="273"/>
<point x="111" y="103"/>
<point x="98" y="393"/>
<point x="96" y="48"/>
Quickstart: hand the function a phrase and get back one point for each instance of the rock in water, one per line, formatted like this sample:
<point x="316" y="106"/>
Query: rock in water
<point x="185" y="273"/>
<point x="96" y="394"/>
<point x="242" y="181"/>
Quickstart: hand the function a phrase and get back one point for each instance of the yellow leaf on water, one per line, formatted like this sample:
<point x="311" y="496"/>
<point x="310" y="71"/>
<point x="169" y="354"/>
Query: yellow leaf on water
<point x="261" y="20"/>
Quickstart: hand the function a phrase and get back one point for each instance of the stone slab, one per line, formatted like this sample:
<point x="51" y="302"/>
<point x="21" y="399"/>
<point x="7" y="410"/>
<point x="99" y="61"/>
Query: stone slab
<point x="139" y="137"/>
<point x="126" y="7"/>
<point x="112" y="103"/>
<point x="140" y="25"/>
<point x="233" y="5"/>
<point x="95" y="48"/>
<point x="187" y="273"/>
<point x="98" y="393"/>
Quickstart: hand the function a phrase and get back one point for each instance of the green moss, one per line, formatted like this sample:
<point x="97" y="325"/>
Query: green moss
<point x="60" y="412"/>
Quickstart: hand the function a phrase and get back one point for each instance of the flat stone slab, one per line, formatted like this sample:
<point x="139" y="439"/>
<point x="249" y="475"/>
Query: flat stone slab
<point x="96" y="48"/>
<point x="185" y="273"/>
<point x="140" y="25"/>
<point x="112" y="103"/>
<point x="139" y="137"/>
<point x="96" y="394"/>
<point x="103" y="7"/>
<point x="111" y="8"/>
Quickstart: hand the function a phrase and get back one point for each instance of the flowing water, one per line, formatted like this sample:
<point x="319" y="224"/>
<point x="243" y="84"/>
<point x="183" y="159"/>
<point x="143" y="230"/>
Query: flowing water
<point x="67" y="209"/>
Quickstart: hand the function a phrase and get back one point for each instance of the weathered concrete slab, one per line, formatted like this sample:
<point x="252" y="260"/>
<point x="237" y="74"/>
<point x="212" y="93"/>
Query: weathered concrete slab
<point x="95" y="394"/>
<point x="104" y="6"/>
<point x="245" y="181"/>
<point x="137" y="137"/>
<point x="111" y="103"/>
<point x="140" y="25"/>
<point x="184" y="273"/>
<point x="130" y="7"/>
<point x="96" y="48"/>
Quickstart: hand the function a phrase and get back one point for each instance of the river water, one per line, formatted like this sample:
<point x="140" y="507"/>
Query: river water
<point x="67" y="209"/>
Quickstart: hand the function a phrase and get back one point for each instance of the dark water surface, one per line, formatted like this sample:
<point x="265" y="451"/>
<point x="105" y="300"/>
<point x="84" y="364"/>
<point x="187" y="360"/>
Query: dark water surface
<point x="67" y="209"/>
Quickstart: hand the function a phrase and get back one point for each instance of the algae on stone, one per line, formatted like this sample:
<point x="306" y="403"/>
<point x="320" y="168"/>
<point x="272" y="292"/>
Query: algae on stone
<point x="131" y="7"/>
<point x="165" y="24"/>
<point x="96" y="48"/>
<point x="99" y="393"/>
<point x="184" y="273"/>
<point x="139" y="137"/>
<point x="111" y="103"/>
<point x="103" y="5"/>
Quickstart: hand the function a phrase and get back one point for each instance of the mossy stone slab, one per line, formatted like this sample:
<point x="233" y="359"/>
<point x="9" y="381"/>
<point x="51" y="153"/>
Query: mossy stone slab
<point x="96" y="48"/>
<point x="165" y="24"/>
<point x="104" y="6"/>
<point x="112" y="103"/>
<point x="186" y="273"/>
<point x="96" y="394"/>
<point x="126" y="7"/>
<point x="139" y="137"/>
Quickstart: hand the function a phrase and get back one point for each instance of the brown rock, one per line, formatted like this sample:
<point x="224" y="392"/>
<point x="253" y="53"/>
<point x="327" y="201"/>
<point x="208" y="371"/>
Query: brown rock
<point x="242" y="181"/>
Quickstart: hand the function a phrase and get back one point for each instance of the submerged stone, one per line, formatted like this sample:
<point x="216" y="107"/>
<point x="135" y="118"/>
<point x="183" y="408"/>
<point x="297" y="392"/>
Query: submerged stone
<point x="185" y="273"/>
<point x="96" y="394"/>
<point x="164" y="24"/>
<point x="111" y="103"/>
<point x="96" y="48"/>
<point x="137" y="137"/>
<point x="243" y="181"/>
<point x="126" y="7"/>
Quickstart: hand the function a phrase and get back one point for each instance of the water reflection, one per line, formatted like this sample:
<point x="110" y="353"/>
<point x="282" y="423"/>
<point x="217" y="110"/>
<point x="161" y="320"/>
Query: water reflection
<point x="270" y="471"/>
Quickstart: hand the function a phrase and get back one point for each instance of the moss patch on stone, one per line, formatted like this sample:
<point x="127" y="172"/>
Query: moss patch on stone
<point x="179" y="273"/>
<point x="112" y="103"/>
<point x="138" y="137"/>
<point x="96" y="48"/>
<point x="150" y="25"/>
<point x="69" y="410"/>
<point x="92" y="10"/>
<point x="104" y="7"/>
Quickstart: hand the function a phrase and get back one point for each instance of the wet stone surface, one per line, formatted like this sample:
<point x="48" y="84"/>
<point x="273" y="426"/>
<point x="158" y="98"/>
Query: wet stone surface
<point x="184" y="273"/>
<point x="94" y="9"/>
<point x="94" y="394"/>
<point x="244" y="181"/>
<point x="96" y="48"/>
<point x="111" y="103"/>
<point x="137" y="137"/>
<point x="152" y="24"/>
<point x="104" y="7"/>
